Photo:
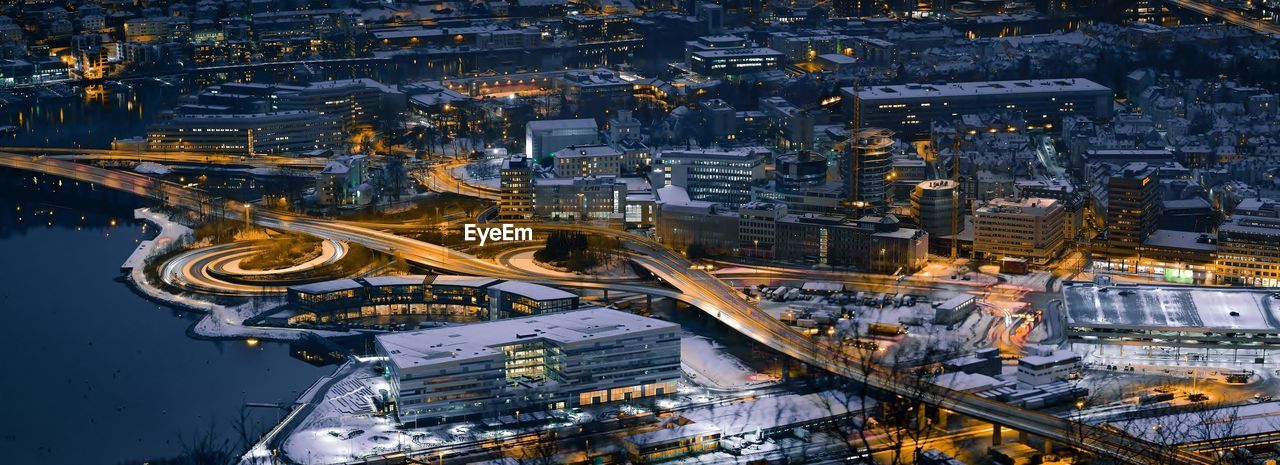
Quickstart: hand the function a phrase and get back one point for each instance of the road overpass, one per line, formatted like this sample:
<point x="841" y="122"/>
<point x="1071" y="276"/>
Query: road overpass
<point x="1227" y="15"/>
<point x="693" y="286"/>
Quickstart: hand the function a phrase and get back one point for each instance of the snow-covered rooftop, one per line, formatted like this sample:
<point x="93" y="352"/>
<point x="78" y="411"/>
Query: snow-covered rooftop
<point x="1174" y="307"/>
<point x="431" y="346"/>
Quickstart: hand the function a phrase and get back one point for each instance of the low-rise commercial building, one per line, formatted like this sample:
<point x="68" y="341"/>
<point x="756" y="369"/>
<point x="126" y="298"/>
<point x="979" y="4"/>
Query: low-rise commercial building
<point x="1232" y="325"/>
<point x="875" y="244"/>
<point x="552" y="361"/>
<point x="543" y="138"/>
<point x="436" y="297"/>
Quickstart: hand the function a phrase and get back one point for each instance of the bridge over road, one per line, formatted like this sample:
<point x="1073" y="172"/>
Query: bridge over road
<point x="693" y="286"/>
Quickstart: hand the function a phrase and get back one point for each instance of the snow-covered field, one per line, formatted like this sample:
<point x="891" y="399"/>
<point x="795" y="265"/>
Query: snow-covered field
<point x="706" y="363"/>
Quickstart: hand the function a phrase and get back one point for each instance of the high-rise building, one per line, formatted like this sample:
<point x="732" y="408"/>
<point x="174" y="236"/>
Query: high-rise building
<point x="933" y="203"/>
<point x="867" y="166"/>
<point x="516" y="182"/>
<point x="1133" y="206"/>
<point x="1029" y="229"/>
<point x="550" y="361"/>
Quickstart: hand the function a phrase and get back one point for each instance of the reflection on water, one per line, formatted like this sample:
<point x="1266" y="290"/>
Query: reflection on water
<point x="97" y="374"/>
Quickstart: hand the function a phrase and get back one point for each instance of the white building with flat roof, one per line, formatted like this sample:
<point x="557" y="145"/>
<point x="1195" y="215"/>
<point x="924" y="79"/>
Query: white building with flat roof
<point x="587" y="160"/>
<point x="543" y="138"/>
<point x="544" y="362"/>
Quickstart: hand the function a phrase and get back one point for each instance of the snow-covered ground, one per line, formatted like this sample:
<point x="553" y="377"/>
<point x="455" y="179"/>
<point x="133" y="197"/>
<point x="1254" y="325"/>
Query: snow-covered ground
<point x="706" y="363"/>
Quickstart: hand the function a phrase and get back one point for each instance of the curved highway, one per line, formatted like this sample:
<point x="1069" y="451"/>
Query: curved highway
<point x="694" y="286"/>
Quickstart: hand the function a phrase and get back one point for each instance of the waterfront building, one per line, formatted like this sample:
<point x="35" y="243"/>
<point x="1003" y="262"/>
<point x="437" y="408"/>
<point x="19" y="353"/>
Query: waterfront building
<point x="434" y="297"/>
<point x="551" y="361"/>
<point x="1028" y="229"/>
<point x="278" y="133"/>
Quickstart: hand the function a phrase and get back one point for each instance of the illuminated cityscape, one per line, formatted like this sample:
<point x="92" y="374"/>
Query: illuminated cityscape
<point x="503" y="232"/>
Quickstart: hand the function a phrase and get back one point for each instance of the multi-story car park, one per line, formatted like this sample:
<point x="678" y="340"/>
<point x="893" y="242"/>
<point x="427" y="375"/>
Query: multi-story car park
<point x="439" y="298"/>
<point x="1216" y="324"/>
<point x="544" y="362"/>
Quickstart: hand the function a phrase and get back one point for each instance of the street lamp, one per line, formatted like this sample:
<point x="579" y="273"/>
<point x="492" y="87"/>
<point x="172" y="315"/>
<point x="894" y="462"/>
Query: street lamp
<point x="246" y="216"/>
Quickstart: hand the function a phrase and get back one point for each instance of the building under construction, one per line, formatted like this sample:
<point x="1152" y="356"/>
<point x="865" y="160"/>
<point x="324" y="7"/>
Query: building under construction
<point x="867" y="167"/>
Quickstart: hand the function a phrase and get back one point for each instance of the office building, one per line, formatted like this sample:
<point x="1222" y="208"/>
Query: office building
<point x="458" y="299"/>
<point x="683" y="222"/>
<point x="876" y="244"/>
<point x="279" y="133"/>
<point x="796" y="171"/>
<point x="1028" y="229"/>
<point x="711" y="175"/>
<point x="580" y="198"/>
<point x="515" y="203"/>
<point x="933" y="203"/>
<point x="866" y="167"/>
<point x="909" y="108"/>
<point x="587" y="160"/>
<point x="1248" y="250"/>
<point x="1132" y="209"/>
<point x="757" y="227"/>
<point x="544" y="137"/>
<point x="544" y="362"/>
<point x="733" y="62"/>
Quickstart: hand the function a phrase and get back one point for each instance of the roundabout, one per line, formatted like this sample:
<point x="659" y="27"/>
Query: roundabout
<point x="218" y="269"/>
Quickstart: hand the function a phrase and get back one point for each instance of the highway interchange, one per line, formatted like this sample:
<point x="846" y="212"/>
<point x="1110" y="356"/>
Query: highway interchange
<point x="692" y="285"/>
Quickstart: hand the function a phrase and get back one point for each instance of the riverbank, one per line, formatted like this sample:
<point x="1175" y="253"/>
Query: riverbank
<point x="219" y="322"/>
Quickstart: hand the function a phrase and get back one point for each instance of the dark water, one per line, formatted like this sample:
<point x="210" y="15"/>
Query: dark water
<point x="94" y="373"/>
<point x="92" y="121"/>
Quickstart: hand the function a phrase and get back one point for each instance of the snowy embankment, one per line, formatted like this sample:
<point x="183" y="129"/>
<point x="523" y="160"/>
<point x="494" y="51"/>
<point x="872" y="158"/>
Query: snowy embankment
<point x="220" y="321"/>
<point x="706" y="363"/>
